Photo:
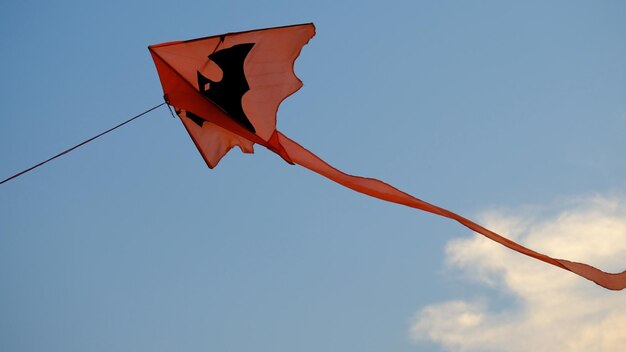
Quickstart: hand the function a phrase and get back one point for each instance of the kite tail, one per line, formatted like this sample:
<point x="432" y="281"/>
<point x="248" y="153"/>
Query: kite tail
<point x="384" y="191"/>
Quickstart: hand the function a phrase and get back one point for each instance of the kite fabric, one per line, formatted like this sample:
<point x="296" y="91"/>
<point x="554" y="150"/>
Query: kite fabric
<point x="226" y="89"/>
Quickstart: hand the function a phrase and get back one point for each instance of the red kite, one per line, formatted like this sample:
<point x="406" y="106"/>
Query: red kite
<point x="226" y="89"/>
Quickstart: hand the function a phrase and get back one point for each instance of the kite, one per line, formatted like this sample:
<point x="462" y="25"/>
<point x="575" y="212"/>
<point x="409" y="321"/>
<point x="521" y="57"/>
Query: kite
<point x="226" y="90"/>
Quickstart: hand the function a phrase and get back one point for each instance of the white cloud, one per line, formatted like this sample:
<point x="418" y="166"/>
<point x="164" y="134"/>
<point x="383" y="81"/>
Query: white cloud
<point x="553" y="310"/>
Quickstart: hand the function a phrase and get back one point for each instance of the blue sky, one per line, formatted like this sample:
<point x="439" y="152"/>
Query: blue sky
<point x="132" y="244"/>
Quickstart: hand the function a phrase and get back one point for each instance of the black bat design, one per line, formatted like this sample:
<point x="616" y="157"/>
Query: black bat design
<point x="228" y="92"/>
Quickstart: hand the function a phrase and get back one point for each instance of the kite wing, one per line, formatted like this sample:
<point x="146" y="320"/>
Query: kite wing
<point x="226" y="90"/>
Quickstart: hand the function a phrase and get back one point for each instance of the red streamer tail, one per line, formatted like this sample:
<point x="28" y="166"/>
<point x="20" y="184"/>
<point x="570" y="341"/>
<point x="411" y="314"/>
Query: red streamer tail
<point x="381" y="190"/>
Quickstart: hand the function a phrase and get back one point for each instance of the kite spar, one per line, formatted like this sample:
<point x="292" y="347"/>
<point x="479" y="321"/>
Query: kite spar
<point x="226" y="89"/>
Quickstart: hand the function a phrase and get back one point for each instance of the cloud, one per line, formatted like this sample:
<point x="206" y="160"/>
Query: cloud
<point x="551" y="309"/>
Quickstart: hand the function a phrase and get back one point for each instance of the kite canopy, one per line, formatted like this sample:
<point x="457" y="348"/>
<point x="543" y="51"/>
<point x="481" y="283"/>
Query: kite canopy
<point x="226" y="89"/>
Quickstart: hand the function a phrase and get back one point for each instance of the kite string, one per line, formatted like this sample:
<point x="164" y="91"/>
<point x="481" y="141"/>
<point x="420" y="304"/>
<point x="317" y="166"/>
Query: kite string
<point x="82" y="143"/>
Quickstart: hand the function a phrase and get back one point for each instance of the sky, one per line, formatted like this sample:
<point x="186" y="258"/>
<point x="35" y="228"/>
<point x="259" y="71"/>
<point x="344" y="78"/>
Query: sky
<point x="512" y="114"/>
